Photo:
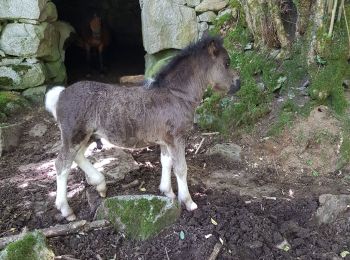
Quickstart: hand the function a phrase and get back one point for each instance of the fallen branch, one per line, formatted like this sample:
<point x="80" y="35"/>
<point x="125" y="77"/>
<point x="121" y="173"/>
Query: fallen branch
<point x="59" y="230"/>
<point x="200" y="145"/>
<point x="211" y="133"/>
<point x="216" y="251"/>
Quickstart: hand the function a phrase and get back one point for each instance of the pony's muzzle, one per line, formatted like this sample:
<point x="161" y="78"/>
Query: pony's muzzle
<point x="235" y="86"/>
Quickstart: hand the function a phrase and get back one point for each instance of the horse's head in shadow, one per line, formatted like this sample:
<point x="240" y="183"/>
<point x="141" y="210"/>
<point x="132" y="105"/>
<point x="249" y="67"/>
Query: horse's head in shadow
<point x="221" y="77"/>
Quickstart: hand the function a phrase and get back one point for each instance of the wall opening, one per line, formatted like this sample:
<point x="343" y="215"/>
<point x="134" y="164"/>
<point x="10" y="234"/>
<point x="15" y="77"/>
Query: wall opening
<point x="124" y="54"/>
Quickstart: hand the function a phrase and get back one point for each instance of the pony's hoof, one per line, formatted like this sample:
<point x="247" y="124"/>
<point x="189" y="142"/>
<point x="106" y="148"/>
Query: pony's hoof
<point x="103" y="194"/>
<point x="191" y="206"/>
<point x="170" y="194"/>
<point x="71" y="217"/>
<point x="102" y="189"/>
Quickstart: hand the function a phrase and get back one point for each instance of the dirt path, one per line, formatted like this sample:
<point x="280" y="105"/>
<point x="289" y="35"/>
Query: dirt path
<point x="255" y="205"/>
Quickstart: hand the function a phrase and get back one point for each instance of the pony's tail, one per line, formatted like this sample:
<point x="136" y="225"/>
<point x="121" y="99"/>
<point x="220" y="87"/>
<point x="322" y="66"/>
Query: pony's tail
<point x="51" y="99"/>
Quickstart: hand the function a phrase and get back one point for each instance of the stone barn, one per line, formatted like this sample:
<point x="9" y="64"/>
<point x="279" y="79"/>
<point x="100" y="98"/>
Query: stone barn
<point x="37" y="46"/>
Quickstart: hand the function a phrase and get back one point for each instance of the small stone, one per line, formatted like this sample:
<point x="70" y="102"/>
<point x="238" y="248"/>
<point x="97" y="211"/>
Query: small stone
<point x="38" y="130"/>
<point x="202" y="27"/>
<point x="31" y="246"/>
<point x="229" y="151"/>
<point x="261" y="86"/>
<point x="193" y="3"/>
<point x="9" y="137"/>
<point x="211" y="5"/>
<point x="346" y="83"/>
<point x="139" y="216"/>
<point x="227" y="11"/>
<point x="207" y="17"/>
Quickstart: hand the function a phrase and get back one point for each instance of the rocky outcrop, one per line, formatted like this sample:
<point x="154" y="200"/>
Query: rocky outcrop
<point x="31" y="46"/>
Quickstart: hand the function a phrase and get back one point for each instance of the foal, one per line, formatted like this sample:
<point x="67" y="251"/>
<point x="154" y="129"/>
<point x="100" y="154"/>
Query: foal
<point x="160" y="113"/>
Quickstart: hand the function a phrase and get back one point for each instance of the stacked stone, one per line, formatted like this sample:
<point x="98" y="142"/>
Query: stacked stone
<point x="170" y="25"/>
<point x="31" y="46"/>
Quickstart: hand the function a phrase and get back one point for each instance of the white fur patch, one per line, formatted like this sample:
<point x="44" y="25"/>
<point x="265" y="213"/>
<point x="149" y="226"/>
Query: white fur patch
<point x="51" y="99"/>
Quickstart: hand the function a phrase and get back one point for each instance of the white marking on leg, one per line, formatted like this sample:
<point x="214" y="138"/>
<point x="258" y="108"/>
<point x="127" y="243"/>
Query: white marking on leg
<point x="61" y="196"/>
<point x="165" y="181"/>
<point x="180" y="170"/>
<point x="93" y="176"/>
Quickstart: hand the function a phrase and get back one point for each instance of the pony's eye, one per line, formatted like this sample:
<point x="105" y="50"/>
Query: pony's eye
<point x="227" y="64"/>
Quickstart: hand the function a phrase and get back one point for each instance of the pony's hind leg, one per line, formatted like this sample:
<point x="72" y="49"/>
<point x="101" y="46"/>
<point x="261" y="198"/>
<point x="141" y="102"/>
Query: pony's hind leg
<point x="63" y="163"/>
<point x="167" y="163"/>
<point x="93" y="176"/>
<point x="177" y="153"/>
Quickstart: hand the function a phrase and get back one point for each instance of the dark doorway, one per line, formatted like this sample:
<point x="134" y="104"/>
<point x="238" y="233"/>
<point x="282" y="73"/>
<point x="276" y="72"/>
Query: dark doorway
<point x="124" y="54"/>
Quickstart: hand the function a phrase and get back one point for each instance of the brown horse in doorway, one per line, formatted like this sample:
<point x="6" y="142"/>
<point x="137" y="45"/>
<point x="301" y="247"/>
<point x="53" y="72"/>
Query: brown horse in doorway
<point x="95" y="36"/>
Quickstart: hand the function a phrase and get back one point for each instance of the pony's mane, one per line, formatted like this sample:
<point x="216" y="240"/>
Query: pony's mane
<point x="191" y="50"/>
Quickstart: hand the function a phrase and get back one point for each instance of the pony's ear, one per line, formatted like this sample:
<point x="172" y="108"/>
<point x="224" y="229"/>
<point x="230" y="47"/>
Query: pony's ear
<point x="213" y="49"/>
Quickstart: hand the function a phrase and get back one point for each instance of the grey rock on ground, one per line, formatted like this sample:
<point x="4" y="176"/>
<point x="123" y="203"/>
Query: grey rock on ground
<point x="9" y="137"/>
<point x="38" y="130"/>
<point x="331" y="206"/>
<point x="229" y="151"/>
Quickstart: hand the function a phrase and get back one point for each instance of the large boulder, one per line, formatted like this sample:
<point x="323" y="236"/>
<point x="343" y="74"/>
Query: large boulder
<point x="16" y="9"/>
<point x="21" y="76"/>
<point x="167" y="25"/>
<point x="139" y="216"/>
<point x="30" y="40"/>
<point x="31" y="246"/>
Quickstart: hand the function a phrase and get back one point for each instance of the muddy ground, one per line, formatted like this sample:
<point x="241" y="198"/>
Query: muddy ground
<point x="257" y="203"/>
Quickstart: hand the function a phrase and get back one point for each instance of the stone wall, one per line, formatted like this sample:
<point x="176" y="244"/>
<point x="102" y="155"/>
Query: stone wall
<point x="170" y="25"/>
<point x="31" y="46"/>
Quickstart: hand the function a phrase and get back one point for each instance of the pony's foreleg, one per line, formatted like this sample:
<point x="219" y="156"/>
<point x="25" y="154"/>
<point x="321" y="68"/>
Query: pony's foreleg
<point x="88" y="57"/>
<point x="63" y="164"/>
<point x="177" y="153"/>
<point x="167" y="163"/>
<point x="93" y="176"/>
<point x="100" y="56"/>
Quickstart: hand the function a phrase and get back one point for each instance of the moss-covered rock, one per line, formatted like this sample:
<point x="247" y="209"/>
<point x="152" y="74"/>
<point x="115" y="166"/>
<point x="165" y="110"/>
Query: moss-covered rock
<point x="11" y="102"/>
<point x="32" y="246"/>
<point x="56" y="72"/>
<point x="154" y="62"/>
<point x="35" y="95"/>
<point x="21" y="76"/>
<point x="139" y="216"/>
